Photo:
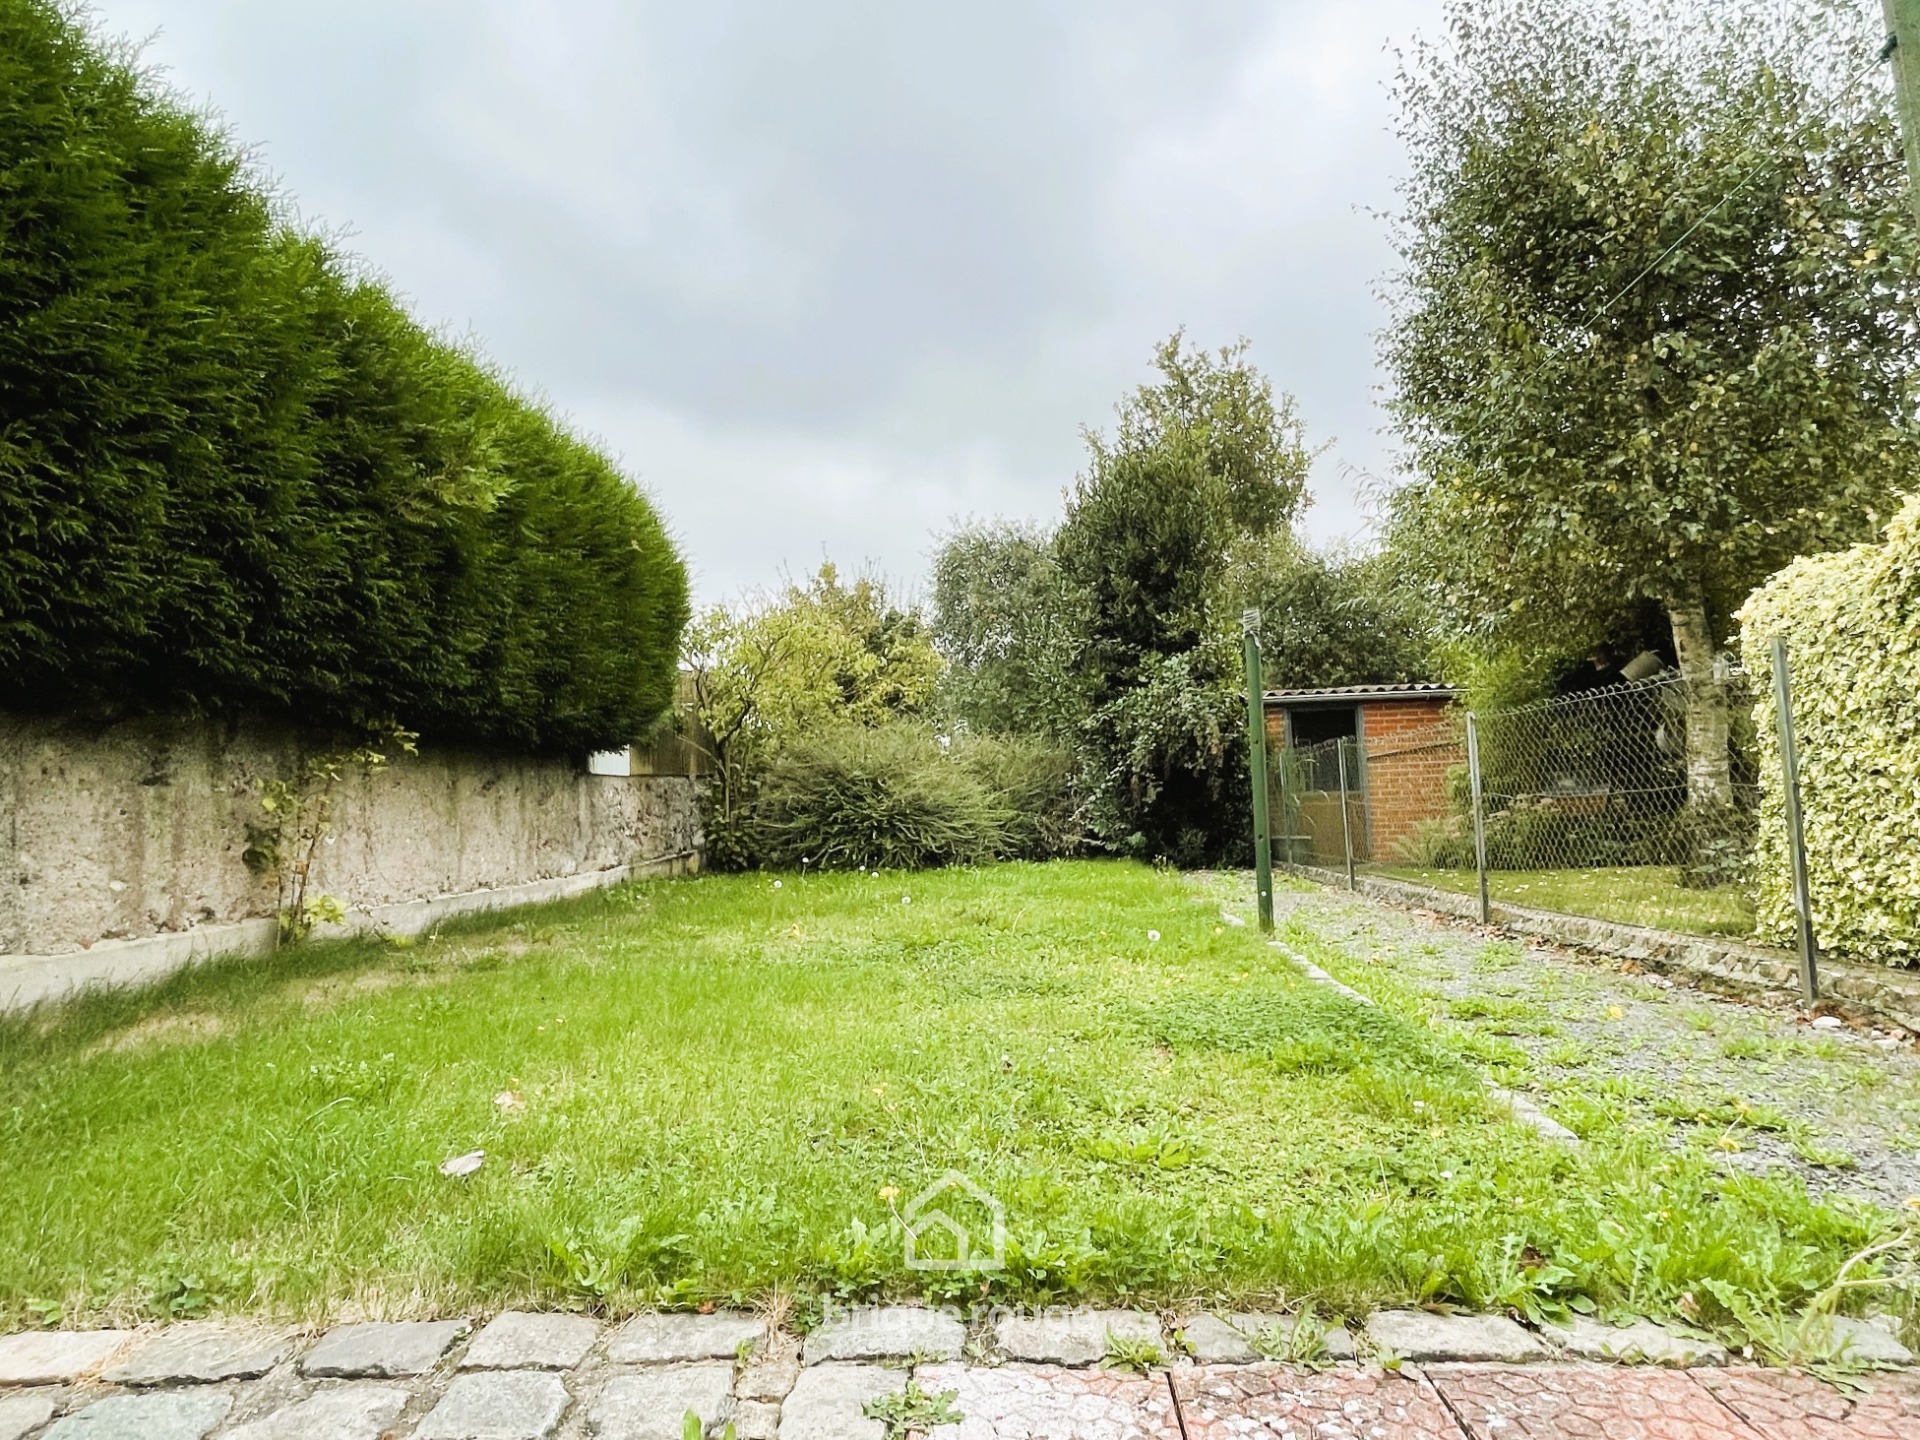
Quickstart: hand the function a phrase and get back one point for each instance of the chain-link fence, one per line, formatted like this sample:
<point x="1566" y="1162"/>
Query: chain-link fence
<point x="1636" y="803"/>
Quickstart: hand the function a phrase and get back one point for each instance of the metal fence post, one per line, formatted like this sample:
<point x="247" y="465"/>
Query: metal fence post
<point x="1257" y="767"/>
<point x="1346" y="820"/>
<point x="1796" y="828"/>
<point x="1479" y="813"/>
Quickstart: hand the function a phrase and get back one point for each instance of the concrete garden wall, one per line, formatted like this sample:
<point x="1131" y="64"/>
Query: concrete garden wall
<point x="121" y="848"/>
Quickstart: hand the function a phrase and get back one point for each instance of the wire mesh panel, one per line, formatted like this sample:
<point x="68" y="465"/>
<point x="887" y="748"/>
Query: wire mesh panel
<point x="1635" y="803"/>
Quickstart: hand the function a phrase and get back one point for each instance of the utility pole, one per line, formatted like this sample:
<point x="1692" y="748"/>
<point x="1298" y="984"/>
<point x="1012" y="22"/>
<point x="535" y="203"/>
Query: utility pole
<point x="1903" y="48"/>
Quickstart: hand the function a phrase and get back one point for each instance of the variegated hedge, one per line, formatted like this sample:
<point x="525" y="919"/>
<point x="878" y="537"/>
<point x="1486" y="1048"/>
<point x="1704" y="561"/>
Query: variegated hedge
<point x="1852" y="623"/>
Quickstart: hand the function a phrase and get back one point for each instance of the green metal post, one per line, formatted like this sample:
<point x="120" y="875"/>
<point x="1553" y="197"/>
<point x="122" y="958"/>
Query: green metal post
<point x="1346" y="816"/>
<point x="1796" y="827"/>
<point x="1257" y="767"/>
<point x="1479" y="814"/>
<point x="1903" y="35"/>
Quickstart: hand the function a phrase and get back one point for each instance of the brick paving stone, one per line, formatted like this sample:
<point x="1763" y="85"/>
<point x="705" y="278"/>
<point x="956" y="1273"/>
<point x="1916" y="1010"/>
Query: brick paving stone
<point x="1644" y="1343"/>
<point x="827" y="1402"/>
<point x="653" y="1404"/>
<point x="1584" y="1402"/>
<point x="1784" y="1406"/>
<point x="200" y="1354"/>
<point x="665" y="1339"/>
<point x="1073" y="1337"/>
<point x="1230" y="1402"/>
<point x="349" y="1412"/>
<point x="892" y="1332"/>
<point x="1421" y="1336"/>
<point x="497" y="1405"/>
<point x="1051" y="1401"/>
<point x="382" y="1351"/>
<point x="21" y="1415"/>
<point x="1228" y="1339"/>
<point x="168" y="1415"/>
<point x="57" y="1357"/>
<point x="519" y="1341"/>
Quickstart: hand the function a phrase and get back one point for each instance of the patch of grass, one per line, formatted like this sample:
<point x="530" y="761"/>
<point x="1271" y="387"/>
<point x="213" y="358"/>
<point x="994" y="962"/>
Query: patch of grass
<point x="716" y="1090"/>
<point x="1649" y="895"/>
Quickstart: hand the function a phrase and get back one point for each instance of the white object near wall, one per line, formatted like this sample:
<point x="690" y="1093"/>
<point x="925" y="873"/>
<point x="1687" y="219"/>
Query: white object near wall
<point x="611" y="762"/>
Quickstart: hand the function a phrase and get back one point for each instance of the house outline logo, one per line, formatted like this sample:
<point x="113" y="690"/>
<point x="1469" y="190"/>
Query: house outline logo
<point x="920" y="1220"/>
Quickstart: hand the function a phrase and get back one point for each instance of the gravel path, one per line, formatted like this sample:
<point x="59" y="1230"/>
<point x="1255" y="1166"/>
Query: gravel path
<point x="1777" y="1087"/>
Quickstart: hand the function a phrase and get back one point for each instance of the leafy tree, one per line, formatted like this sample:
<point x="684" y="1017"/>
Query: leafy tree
<point x="1198" y="461"/>
<point x="1327" y="619"/>
<point x="1654" y="333"/>
<point x="1011" y="628"/>
<point x="769" y="671"/>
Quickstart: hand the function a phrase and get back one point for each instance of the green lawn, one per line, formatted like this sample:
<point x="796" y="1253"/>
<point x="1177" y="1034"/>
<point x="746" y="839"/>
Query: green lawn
<point x="1629" y="894"/>
<point x="726" y="1088"/>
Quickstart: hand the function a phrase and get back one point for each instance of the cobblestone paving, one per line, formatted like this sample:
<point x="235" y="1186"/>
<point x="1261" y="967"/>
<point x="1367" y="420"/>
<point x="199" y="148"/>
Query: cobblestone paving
<point x="526" y="1377"/>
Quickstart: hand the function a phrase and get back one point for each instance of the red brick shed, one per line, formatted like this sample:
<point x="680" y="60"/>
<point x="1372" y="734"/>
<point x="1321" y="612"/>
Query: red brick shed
<point x="1407" y="744"/>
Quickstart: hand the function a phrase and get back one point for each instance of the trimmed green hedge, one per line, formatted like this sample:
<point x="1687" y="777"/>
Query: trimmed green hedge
<point x="235" y="476"/>
<point x="1852" y="625"/>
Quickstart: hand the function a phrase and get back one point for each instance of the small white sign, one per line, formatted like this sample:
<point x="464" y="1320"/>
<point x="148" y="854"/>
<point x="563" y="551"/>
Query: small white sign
<point x="611" y="762"/>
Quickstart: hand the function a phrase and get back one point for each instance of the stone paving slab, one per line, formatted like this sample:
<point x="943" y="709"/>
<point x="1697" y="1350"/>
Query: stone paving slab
<point x="168" y="1415"/>
<point x="771" y="1376"/>
<point x="21" y="1415"/>
<point x="1076" y="1337"/>
<point x="1785" y="1406"/>
<point x="1644" y="1343"/>
<point x="653" y="1404"/>
<point x="894" y="1332"/>
<point x="350" y="1412"/>
<point x="1573" y="1402"/>
<point x="827" y="1402"/>
<point x="665" y="1339"/>
<point x="1235" y="1401"/>
<point x="382" y="1351"/>
<point x="200" y="1353"/>
<point x="57" y="1357"/>
<point x="1421" y="1336"/>
<point x="1861" y="1342"/>
<point x="756" y="1420"/>
<point x="521" y="1341"/>
<point x="497" y="1405"/>
<point x="1229" y="1339"/>
<point x="1047" y="1401"/>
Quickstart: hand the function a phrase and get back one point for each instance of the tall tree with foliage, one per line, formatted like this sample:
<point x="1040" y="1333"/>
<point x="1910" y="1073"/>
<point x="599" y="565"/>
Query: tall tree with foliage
<point x="1654" y="332"/>
<point x="1205" y="457"/>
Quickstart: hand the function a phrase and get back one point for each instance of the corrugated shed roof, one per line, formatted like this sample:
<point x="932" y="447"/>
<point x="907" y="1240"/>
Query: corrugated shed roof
<point x="1419" y="690"/>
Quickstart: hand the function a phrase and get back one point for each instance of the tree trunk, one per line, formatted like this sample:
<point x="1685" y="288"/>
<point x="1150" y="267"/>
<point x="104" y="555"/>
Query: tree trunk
<point x="1709" y="766"/>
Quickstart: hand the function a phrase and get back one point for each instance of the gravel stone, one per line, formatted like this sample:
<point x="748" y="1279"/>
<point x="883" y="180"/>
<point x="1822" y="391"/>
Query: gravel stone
<point x="1228" y="1339"/>
<point x="21" y="1415"/>
<point x="894" y="1332"/>
<point x="497" y="1405"/>
<point x="57" y="1357"/>
<point x="201" y="1354"/>
<point x="1419" y="1336"/>
<point x="653" y="1404"/>
<point x="665" y="1339"/>
<point x="170" y="1415"/>
<point x="382" y="1351"/>
<point x="1644" y="1343"/>
<point x="1073" y="1337"/>
<point x="828" y="1402"/>
<point x="352" y="1412"/>
<point x="518" y="1341"/>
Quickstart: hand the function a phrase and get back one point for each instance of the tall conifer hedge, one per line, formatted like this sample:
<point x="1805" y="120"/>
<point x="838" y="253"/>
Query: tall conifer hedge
<point x="237" y="477"/>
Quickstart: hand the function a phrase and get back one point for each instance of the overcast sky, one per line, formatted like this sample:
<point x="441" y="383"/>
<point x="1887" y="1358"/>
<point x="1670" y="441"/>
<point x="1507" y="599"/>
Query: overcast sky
<point x="826" y="276"/>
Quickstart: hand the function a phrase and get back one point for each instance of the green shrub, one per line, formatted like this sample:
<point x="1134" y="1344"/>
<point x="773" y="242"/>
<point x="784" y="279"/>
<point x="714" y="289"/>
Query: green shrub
<point x="887" y="798"/>
<point x="1032" y="779"/>
<point x="1852" y="624"/>
<point x="235" y="476"/>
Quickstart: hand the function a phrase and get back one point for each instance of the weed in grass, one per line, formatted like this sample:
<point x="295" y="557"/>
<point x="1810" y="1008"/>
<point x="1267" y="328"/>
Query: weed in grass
<point x="913" y="1410"/>
<point x="1743" y="1047"/>
<point x="1826" y="1157"/>
<point x="1137" y="1355"/>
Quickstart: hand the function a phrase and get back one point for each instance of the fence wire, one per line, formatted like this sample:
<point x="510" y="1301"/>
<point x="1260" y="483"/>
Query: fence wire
<point x="1636" y="803"/>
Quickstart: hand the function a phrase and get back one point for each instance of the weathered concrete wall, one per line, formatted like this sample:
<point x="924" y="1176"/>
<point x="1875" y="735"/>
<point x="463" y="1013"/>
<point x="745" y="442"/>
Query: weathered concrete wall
<point x="138" y="830"/>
